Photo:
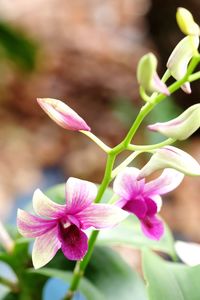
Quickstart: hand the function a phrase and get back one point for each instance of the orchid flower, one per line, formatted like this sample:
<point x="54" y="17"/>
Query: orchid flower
<point x="62" y="114"/>
<point x="181" y="127"/>
<point x="171" y="157"/>
<point x="180" y="58"/>
<point x="62" y="226"/>
<point x="143" y="199"/>
<point x="147" y="75"/>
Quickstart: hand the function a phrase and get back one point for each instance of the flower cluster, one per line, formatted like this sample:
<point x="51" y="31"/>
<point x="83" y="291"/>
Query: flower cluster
<point x="64" y="227"/>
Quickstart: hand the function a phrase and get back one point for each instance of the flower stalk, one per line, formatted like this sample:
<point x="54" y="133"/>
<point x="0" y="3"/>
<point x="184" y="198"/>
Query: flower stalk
<point x="110" y="173"/>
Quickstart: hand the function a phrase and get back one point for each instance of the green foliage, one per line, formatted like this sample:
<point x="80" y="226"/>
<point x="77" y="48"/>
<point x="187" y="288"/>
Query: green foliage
<point x="167" y="280"/>
<point x="129" y="233"/>
<point x="17" y="47"/>
<point x="111" y="274"/>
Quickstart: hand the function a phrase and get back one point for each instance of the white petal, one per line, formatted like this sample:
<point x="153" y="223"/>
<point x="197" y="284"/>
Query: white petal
<point x="44" y="207"/>
<point x="45" y="248"/>
<point x="79" y="194"/>
<point x="101" y="216"/>
<point x="188" y="252"/>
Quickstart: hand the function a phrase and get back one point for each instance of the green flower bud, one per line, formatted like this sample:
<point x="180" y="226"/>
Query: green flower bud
<point x="147" y="76"/>
<point x="186" y="22"/>
<point x="181" y="127"/>
<point x="171" y="157"/>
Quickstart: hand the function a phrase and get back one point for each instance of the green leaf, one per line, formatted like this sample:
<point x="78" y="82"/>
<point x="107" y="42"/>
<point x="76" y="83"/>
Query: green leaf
<point x="170" y="281"/>
<point x="19" y="258"/>
<point x="86" y="287"/>
<point x="17" y="46"/>
<point x="129" y="233"/>
<point x="111" y="275"/>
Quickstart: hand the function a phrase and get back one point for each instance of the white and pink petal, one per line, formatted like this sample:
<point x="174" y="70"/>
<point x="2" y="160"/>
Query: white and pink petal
<point x="79" y="194"/>
<point x="167" y="182"/>
<point x="45" y="248"/>
<point x="101" y="216"/>
<point x="32" y="226"/>
<point x="44" y="207"/>
<point x="126" y="184"/>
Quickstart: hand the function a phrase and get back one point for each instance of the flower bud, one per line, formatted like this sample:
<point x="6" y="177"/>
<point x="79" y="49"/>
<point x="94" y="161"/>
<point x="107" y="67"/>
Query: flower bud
<point x="186" y="22"/>
<point x="171" y="157"/>
<point x="180" y="57"/>
<point x="181" y="127"/>
<point x="62" y="114"/>
<point x="147" y="76"/>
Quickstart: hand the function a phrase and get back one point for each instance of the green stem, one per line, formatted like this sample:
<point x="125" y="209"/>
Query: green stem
<point x="11" y="285"/>
<point x="95" y="139"/>
<point x="150" y="147"/>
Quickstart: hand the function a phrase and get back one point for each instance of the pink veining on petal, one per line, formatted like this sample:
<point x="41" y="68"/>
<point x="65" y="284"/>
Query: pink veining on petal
<point x="126" y="185"/>
<point x="101" y="216"/>
<point x="79" y="194"/>
<point x="44" y="207"/>
<point x="45" y="248"/>
<point x="165" y="183"/>
<point x="159" y="85"/>
<point x="62" y="114"/>
<point x="32" y="226"/>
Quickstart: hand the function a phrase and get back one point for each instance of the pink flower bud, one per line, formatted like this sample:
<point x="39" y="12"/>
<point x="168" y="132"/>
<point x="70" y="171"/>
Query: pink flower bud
<point x="181" y="127"/>
<point x="180" y="57"/>
<point x="171" y="157"/>
<point x="62" y="114"/>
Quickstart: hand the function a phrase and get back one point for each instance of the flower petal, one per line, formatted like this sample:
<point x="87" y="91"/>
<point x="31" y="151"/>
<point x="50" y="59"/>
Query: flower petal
<point x="167" y="182"/>
<point x="79" y="194"/>
<point x="44" y="207"/>
<point x="158" y="200"/>
<point x="31" y="226"/>
<point x="126" y="185"/>
<point x="101" y="216"/>
<point x="62" y="114"/>
<point x="45" y="248"/>
<point x="74" y="242"/>
<point x="152" y="227"/>
<point x="136" y="207"/>
<point x="151" y="207"/>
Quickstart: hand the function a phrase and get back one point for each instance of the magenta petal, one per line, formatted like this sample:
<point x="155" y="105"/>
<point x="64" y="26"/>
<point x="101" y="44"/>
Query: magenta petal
<point x="151" y="207"/>
<point x="137" y="207"/>
<point x="167" y="182"/>
<point x="79" y="194"/>
<point x="31" y="226"/>
<point x="152" y="227"/>
<point x="101" y="216"/>
<point x="126" y="184"/>
<point x="74" y="242"/>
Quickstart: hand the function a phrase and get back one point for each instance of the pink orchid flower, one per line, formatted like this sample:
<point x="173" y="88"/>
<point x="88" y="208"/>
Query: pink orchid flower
<point x="62" y="226"/>
<point x="62" y="114"/>
<point x="143" y="199"/>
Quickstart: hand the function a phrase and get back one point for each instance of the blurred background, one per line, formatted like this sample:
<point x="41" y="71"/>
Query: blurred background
<point x="84" y="53"/>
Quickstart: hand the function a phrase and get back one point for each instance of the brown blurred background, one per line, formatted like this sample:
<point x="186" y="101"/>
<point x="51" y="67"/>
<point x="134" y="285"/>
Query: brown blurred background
<point x="85" y="53"/>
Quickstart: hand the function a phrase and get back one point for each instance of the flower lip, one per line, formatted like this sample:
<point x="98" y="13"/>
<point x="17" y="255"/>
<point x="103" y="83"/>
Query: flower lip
<point x="62" y="114"/>
<point x="143" y="199"/>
